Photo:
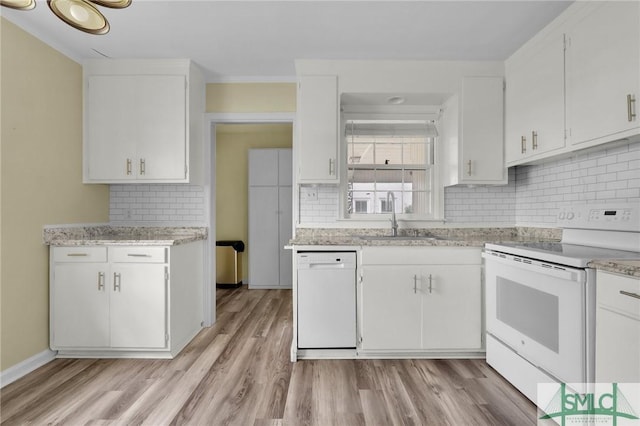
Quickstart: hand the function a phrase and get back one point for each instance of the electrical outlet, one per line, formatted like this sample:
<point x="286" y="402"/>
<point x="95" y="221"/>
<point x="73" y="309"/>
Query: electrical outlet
<point x="310" y="194"/>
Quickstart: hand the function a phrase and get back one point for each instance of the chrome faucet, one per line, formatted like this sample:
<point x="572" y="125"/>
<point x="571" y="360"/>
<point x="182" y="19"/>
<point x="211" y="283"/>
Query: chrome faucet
<point x="394" y="222"/>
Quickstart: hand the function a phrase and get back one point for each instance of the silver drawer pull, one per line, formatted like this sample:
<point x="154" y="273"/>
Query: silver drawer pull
<point x="430" y="283"/>
<point x="415" y="284"/>
<point x="138" y="255"/>
<point x="628" y="293"/>
<point x="100" y="281"/>
<point x="77" y="254"/>
<point x="117" y="281"/>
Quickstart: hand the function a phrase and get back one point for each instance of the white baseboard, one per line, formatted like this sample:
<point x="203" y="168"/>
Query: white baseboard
<point x="25" y="367"/>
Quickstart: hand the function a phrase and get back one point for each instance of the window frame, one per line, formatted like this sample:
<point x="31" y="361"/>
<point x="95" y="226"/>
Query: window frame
<point x="437" y="190"/>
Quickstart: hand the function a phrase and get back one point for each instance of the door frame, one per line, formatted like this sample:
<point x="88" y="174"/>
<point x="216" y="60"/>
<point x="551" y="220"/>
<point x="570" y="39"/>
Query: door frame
<point x="211" y="120"/>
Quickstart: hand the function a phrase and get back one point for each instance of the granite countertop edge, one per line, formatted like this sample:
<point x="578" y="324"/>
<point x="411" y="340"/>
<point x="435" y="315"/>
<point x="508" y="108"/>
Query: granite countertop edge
<point x="110" y="235"/>
<point x="623" y="267"/>
<point x="452" y="237"/>
<point x="443" y="237"/>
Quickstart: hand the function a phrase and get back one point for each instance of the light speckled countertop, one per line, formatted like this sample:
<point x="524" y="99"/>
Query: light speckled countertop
<point x="102" y="235"/>
<point x="445" y="237"/>
<point x="623" y="267"/>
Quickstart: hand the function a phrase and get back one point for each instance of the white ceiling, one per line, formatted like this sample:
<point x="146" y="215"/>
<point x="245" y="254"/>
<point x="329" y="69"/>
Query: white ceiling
<point x="259" y="40"/>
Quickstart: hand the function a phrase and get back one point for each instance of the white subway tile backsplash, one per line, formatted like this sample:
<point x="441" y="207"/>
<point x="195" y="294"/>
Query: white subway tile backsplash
<point x="532" y="198"/>
<point x="179" y="204"/>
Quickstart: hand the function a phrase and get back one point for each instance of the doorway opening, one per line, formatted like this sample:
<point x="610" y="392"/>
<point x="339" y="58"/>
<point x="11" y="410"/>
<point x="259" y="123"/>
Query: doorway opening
<point x="230" y="137"/>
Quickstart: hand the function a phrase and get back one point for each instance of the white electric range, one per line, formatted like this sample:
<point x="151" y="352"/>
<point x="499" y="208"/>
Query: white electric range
<point x="540" y="296"/>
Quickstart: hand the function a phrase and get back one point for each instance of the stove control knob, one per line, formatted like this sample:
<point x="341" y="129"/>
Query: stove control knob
<point x="561" y="216"/>
<point x="570" y="215"/>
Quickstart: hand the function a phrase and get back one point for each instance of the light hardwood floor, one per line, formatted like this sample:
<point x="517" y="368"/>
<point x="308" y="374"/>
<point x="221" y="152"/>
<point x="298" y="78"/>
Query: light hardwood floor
<point x="238" y="373"/>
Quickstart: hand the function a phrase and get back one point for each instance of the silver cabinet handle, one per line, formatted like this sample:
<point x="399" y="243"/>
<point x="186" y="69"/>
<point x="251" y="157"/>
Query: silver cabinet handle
<point x="128" y="166"/>
<point x="523" y="144"/>
<point x="332" y="168"/>
<point x="100" y="281"/>
<point x="415" y="284"/>
<point x="631" y="110"/>
<point x="138" y="255"/>
<point x="628" y="293"/>
<point x="77" y="254"/>
<point x="143" y="166"/>
<point x="430" y="283"/>
<point x="116" y="281"/>
<point x="534" y="140"/>
<point x="469" y="167"/>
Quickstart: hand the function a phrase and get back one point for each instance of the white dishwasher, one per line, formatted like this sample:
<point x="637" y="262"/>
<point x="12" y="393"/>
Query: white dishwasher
<point x="326" y="299"/>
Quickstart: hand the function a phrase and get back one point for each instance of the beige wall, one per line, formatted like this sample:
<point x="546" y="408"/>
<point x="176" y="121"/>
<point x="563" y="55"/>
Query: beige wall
<point x="41" y="182"/>
<point x="251" y="97"/>
<point x="233" y="142"/>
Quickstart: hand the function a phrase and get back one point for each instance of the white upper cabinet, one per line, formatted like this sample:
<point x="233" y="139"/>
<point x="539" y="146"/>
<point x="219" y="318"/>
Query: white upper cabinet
<point x="139" y="117"/>
<point x="575" y="84"/>
<point x="317" y="122"/>
<point x="603" y="73"/>
<point x="535" y="100"/>
<point x="473" y="132"/>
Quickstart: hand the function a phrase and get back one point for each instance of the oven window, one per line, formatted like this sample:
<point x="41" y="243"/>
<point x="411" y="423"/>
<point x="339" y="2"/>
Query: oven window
<point x="532" y="312"/>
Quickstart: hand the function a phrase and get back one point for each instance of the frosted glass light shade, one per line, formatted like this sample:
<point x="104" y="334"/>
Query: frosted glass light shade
<point x="80" y="15"/>
<point x="115" y="4"/>
<point x="19" y="4"/>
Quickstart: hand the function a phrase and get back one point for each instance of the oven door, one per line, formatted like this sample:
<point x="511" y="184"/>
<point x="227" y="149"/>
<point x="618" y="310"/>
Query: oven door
<point x="539" y="311"/>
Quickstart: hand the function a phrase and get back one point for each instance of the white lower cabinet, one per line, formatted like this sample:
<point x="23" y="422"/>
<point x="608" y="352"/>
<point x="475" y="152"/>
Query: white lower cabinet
<point x="391" y="309"/>
<point x="125" y="301"/>
<point x="451" y="307"/>
<point x="79" y="306"/>
<point x="426" y="299"/>
<point x="138" y="306"/>
<point x="617" y="328"/>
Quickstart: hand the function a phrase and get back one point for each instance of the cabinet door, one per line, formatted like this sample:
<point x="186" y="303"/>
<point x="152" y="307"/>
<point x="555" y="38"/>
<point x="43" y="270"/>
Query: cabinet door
<point x="285" y="167"/>
<point x="452" y="303"/>
<point x="614" y="332"/>
<point x="390" y="308"/>
<point x="285" y="229"/>
<point x="136" y="128"/>
<point x="481" y="115"/>
<point x="603" y="65"/>
<point x="263" y="167"/>
<point x="111" y="133"/>
<point x="138" y="305"/>
<point x="161" y="115"/>
<point x="263" y="250"/>
<point x="617" y="328"/>
<point x="318" y="127"/>
<point x="535" y="101"/>
<point x="79" y="306"/>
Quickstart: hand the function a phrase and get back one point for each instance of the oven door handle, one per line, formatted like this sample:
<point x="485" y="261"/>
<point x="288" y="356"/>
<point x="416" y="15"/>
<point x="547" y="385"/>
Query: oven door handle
<point x="537" y="266"/>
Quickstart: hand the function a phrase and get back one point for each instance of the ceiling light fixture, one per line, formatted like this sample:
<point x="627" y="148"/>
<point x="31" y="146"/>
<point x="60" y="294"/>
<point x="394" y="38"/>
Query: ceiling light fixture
<point x="80" y="14"/>
<point x="396" y="100"/>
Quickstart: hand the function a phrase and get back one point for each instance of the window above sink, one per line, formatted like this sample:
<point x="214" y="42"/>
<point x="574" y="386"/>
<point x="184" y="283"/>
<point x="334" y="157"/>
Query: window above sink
<point x="389" y="156"/>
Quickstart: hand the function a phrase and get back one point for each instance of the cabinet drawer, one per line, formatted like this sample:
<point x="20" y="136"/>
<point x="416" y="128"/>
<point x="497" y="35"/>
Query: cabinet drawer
<point x="413" y="255"/>
<point x="138" y="254"/>
<point x="610" y="287"/>
<point x="79" y="254"/>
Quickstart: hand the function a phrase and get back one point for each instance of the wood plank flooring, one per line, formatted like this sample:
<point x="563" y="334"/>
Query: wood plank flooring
<point x="238" y="373"/>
